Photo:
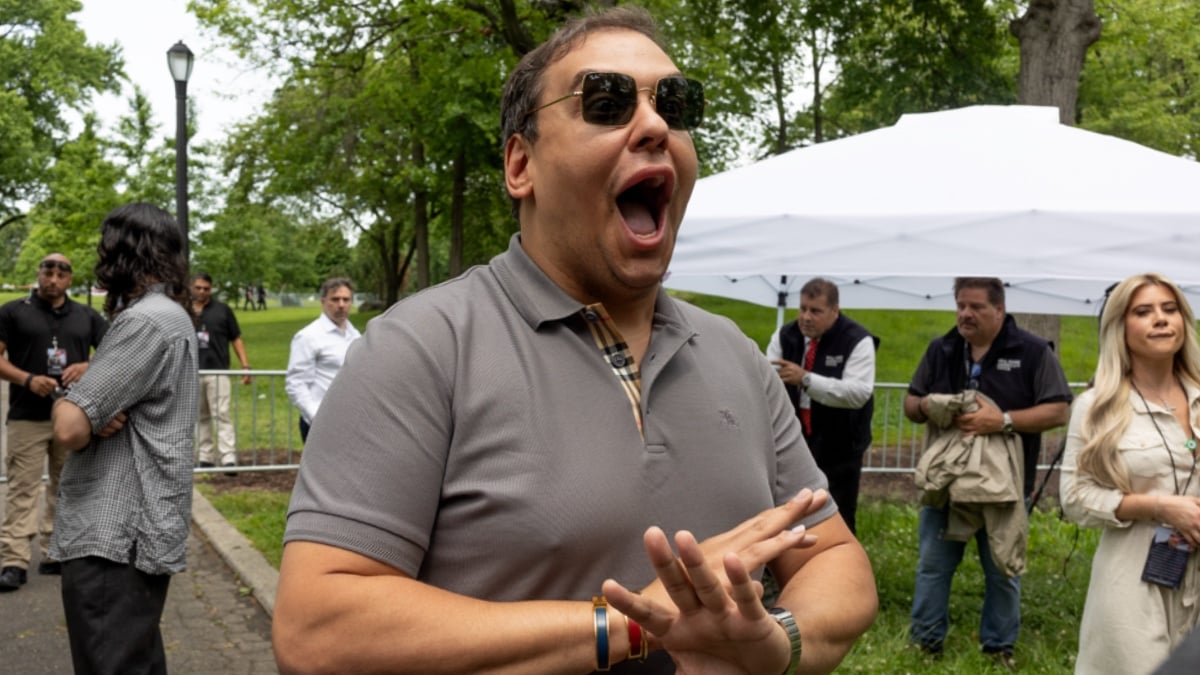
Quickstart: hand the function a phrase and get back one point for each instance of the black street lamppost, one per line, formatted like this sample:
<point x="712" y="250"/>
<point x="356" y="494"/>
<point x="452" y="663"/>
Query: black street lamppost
<point x="179" y="60"/>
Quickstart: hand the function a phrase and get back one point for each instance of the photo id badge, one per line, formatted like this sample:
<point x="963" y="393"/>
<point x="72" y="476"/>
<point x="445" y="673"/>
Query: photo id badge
<point x="56" y="361"/>
<point x="1168" y="558"/>
<point x="202" y="337"/>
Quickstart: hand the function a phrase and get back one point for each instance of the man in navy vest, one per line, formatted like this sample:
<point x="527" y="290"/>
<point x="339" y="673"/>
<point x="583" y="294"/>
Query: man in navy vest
<point x="1019" y="371"/>
<point x="827" y="364"/>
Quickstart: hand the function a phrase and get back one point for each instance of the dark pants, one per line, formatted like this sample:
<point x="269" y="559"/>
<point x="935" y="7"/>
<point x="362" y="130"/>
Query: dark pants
<point x="843" y="487"/>
<point x="113" y="612"/>
<point x="304" y="427"/>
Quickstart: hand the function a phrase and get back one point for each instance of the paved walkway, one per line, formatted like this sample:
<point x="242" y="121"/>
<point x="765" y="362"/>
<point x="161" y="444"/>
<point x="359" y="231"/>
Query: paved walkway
<point x="214" y="622"/>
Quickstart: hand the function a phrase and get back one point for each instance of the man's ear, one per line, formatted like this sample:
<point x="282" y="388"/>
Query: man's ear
<point x="517" y="171"/>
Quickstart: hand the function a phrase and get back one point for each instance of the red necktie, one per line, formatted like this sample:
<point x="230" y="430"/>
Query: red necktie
<point x="810" y="357"/>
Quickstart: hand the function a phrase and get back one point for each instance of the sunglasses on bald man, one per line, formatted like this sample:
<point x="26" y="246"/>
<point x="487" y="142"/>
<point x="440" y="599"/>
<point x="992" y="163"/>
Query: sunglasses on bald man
<point x="56" y="264"/>
<point x="609" y="99"/>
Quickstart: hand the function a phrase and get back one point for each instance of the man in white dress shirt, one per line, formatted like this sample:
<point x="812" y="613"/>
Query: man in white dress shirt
<point x="827" y="364"/>
<point x="319" y="350"/>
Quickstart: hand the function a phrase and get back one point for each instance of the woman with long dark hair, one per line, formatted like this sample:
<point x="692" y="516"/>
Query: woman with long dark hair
<point x="1130" y="468"/>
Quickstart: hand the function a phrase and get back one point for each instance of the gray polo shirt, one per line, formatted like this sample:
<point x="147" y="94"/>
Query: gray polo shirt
<point x="477" y="439"/>
<point x="134" y="488"/>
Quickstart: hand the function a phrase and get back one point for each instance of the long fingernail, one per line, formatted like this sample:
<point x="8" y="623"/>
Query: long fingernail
<point x="803" y="494"/>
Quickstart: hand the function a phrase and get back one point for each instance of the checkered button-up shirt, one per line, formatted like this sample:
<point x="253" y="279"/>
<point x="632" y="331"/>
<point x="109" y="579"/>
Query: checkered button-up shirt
<point x="128" y="497"/>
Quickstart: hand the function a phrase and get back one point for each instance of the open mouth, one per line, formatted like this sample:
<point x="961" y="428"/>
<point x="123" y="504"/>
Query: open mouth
<point x="642" y="205"/>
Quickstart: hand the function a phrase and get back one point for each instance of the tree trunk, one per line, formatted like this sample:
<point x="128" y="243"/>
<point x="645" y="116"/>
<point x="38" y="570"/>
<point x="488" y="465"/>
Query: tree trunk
<point x="1054" y="36"/>
<point x="421" y="219"/>
<point x="817" y="100"/>
<point x="780" y="95"/>
<point x="1047" y="326"/>
<point x="457" y="198"/>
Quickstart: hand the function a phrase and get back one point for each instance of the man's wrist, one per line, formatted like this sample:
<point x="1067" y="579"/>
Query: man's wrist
<point x="788" y="623"/>
<point x="29" y="380"/>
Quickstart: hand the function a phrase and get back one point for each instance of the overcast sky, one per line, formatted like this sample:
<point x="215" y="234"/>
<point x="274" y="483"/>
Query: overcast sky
<point x="223" y="89"/>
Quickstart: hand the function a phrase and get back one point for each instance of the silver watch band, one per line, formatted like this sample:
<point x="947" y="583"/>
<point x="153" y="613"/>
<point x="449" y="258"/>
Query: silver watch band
<point x="784" y="618"/>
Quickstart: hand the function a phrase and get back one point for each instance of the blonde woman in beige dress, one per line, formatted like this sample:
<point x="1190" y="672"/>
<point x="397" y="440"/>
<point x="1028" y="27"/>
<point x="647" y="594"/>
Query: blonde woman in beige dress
<point x="1130" y="468"/>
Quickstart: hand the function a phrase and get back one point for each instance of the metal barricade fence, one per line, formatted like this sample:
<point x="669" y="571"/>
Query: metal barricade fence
<point x="266" y="424"/>
<point x="266" y="427"/>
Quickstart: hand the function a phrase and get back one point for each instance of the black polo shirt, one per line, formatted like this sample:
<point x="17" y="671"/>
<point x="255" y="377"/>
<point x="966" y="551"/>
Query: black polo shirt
<point x="29" y="328"/>
<point x="216" y="327"/>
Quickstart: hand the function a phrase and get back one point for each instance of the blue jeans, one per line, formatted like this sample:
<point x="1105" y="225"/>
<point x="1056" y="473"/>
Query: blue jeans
<point x="939" y="559"/>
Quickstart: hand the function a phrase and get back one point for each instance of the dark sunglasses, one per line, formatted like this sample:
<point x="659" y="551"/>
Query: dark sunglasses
<point x="973" y="381"/>
<point x="55" y="264"/>
<point x="609" y="99"/>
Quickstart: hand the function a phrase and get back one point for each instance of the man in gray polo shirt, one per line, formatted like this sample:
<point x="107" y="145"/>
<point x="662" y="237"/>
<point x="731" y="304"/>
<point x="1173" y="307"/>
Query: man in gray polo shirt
<point x="125" y="496"/>
<point x="501" y="449"/>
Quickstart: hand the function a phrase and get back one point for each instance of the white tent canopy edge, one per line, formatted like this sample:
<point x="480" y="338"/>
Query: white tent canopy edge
<point x="893" y="215"/>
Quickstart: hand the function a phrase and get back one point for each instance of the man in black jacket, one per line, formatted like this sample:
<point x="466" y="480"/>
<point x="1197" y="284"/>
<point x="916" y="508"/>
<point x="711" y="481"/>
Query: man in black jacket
<point x="1019" y="372"/>
<point x="827" y="364"/>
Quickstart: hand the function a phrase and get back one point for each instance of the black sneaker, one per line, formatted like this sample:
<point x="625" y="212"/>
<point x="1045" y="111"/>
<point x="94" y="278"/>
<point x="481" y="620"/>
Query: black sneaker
<point x="11" y="578"/>
<point x="1002" y="657"/>
<point x="930" y="649"/>
<point x="206" y="465"/>
<point x="228" y="465"/>
<point x="50" y="567"/>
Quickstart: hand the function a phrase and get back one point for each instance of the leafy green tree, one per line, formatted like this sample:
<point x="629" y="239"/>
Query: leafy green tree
<point x="386" y="121"/>
<point x="82" y="189"/>
<point x="47" y="69"/>
<point x="898" y="56"/>
<point x="1141" y="81"/>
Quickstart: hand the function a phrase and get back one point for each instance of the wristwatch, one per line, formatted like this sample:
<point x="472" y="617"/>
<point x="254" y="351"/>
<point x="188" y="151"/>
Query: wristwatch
<point x="785" y="619"/>
<point x="1008" y="427"/>
<point x="805" y="381"/>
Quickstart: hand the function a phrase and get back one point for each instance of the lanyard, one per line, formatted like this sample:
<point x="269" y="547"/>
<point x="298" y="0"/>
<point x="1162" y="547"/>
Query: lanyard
<point x="1170" y="455"/>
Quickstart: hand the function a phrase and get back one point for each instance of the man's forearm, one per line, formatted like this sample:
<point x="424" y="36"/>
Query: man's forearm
<point x="913" y="410"/>
<point x="72" y="428"/>
<point x="1040" y="417"/>
<point x="834" y="601"/>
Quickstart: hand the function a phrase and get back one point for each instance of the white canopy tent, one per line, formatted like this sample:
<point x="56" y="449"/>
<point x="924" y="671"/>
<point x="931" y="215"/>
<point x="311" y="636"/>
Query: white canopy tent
<point x="893" y="215"/>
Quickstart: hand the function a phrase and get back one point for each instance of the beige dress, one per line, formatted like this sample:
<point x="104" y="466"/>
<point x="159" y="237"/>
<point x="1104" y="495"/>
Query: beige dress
<point x="1130" y="626"/>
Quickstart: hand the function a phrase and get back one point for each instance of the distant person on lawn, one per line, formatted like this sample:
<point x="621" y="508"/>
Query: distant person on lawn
<point x="1026" y="393"/>
<point x="319" y="350"/>
<point x="827" y="363"/>
<point x="217" y="330"/>
<point x="49" y="339"/>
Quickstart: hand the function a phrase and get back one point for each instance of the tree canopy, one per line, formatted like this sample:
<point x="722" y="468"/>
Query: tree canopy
<point x="379" y="154"/>
<point x="47" y="69"/>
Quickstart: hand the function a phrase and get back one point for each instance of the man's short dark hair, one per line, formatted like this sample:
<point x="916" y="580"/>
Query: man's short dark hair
<point x="993" y="286"/>
<point x="523" y="87"/>
<point x="333" y="283"/>
<point x="203" y="276"/>
<point x="818" y="287"/>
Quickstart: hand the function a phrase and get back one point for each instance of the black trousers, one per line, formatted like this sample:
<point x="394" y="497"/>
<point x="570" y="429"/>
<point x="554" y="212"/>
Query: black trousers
<point x="113" y="612"/>
<point x="844" y="478"/>
<point x="304" y="427"/>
